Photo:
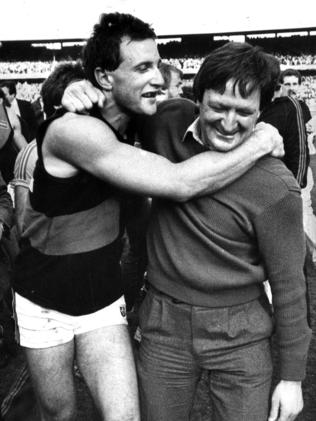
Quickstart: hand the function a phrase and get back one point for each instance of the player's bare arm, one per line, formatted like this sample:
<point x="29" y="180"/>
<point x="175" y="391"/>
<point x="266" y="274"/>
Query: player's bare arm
<point x="78" y="141"/>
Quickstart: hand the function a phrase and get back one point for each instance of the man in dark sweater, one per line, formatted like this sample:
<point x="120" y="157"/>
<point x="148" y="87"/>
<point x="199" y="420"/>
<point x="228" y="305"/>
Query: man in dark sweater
<point x="209" y="256"/>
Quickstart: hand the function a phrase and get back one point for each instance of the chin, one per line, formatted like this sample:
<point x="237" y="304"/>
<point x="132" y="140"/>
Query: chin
<point x="225" y="146"/>
<point x="150" y="110"/>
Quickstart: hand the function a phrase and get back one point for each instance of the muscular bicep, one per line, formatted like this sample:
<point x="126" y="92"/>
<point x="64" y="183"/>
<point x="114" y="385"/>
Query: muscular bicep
<point x="86" y="143"/>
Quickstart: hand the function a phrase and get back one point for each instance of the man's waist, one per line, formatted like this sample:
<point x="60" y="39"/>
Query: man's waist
<point x="208" y="298"/>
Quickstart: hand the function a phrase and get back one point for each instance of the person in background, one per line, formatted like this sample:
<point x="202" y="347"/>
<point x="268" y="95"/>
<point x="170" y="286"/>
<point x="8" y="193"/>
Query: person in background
<point x="23" y="109"/>
<point x="291" y="79"/>
<point x="54" y="86"/>
<point x="11" y="138"/>
<point x="51" y="93"/>
<point x="172" y="85"/>
<point x="285" y="113"/>
<point x="6" y="321"/>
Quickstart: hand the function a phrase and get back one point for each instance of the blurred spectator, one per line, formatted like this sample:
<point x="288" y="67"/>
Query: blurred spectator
<point x="172" y="87"/>
<point x="38" y="108"/>
<point x="11" y="138"/>
<point x="6" y="321"/>
<point x="22" y="108"/>
<point x="291" y="80"/>
<point x="286" y="114"/>
<point x="53" y="87"/>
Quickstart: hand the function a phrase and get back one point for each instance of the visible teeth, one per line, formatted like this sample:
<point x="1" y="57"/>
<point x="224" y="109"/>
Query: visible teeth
<point x="150" y="95"/>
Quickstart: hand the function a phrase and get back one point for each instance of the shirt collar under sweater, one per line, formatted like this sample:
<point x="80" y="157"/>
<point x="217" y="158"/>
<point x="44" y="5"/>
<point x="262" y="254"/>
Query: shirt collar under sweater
<point x="195" y="131"/>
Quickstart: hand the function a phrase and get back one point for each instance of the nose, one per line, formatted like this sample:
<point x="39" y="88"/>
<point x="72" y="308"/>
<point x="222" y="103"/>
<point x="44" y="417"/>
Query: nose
<point x="157" y="79"/>
<point x="229" y="122"/>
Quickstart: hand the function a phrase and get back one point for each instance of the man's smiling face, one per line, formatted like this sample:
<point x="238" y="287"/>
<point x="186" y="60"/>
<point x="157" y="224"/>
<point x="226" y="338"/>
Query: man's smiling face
<point x="227" y="119"/>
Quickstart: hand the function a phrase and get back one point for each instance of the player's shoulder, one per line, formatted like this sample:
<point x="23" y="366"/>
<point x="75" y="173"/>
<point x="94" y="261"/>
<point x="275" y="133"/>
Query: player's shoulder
<point x="74" y="125"/>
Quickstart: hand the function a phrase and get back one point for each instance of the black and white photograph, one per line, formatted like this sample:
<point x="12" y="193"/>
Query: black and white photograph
<point x="158" y="210"/>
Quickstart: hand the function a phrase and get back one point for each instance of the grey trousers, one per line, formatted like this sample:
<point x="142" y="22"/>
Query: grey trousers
<point x="178" y="341"/>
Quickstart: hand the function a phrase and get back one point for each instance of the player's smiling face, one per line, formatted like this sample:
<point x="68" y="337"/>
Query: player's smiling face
<point x="227" y="119"/>
<point x="137" y="80"/>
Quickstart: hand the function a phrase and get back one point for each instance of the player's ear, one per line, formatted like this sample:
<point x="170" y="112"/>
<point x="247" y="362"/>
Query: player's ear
<point x="104" y="78"/>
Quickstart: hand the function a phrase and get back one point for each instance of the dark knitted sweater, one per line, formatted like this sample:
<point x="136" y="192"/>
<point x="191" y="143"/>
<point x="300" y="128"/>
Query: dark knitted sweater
<point x="217" y="250"/>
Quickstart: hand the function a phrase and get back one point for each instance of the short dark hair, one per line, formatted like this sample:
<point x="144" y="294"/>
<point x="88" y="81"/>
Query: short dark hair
<point x="103" y="47"/>
<point x="248" y="66"/>
<point x="291" y="72"/>
<point x="165" y="70"/>
<point x="53" y="87"/>
<point x="10" y="85"/>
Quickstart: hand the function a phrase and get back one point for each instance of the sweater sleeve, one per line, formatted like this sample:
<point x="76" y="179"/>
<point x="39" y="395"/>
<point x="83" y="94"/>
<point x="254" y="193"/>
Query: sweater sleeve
<point x="281" y="242"/>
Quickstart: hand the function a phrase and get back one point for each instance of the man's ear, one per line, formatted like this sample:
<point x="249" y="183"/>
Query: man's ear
<point x="104" y="78"/>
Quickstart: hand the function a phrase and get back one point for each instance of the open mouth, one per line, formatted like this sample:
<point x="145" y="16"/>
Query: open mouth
<point x="151" y="94"/>
<point x="226" y="135"/>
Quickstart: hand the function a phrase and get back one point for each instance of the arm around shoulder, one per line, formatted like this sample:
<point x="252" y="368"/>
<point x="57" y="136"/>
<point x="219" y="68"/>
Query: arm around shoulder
<point x="88" y="143"/>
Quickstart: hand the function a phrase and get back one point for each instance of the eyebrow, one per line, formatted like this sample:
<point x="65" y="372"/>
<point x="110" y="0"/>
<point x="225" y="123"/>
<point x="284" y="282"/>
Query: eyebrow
<point x="147" y="63"/>
<point x="143" y="63"/>
<point x="219" y="104"/>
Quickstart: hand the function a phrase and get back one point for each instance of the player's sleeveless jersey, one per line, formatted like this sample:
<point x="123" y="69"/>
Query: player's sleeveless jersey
<point x="71" y="244"/>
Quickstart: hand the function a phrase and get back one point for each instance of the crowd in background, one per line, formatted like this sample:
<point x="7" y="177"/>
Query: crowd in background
<point x="33" y="70"/>
<point x="188" y="64"/>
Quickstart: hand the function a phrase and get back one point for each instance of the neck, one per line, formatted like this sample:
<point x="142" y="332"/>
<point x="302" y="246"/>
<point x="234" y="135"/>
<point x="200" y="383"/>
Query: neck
<point x="115" y="116"/>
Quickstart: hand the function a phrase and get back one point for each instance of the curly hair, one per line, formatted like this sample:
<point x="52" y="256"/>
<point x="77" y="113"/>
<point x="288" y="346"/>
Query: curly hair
<point x="103" y="47"/>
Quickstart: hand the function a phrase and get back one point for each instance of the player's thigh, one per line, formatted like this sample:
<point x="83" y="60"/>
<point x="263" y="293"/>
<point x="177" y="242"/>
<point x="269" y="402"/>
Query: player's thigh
<point x="105" y="359"/>
<point x="51" y="371"/>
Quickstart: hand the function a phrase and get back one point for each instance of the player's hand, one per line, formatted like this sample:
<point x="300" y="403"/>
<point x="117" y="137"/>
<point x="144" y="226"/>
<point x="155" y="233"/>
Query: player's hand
<point x="81" y="96"/>
<point x="286" y="402"/>
<point x="269" y="136"/>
